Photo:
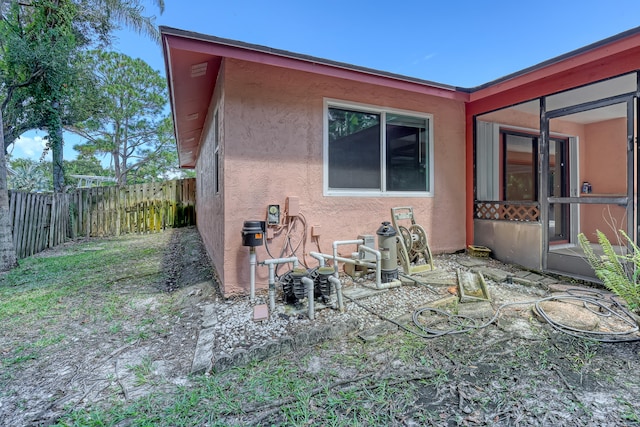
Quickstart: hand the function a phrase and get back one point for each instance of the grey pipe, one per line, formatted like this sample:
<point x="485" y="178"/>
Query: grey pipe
<point x="309" y="286"/>
<point x="348" y="260"/>
<point x="252" y="269"/>
<point x="272" y="276"/>
<point x="387" y="285"/>
<point x="338" y="285"/>
<point x="319" y="257"/>
<point x="335" y="251"/>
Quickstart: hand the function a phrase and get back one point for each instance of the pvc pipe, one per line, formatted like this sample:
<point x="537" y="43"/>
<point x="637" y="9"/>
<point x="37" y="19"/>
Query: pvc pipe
<point x="388" y="285"/>
<point x="378" y="260"/>
<point x="273" y="261"/>
<point x="272" y="288"/>
<point x="319" y="257"/>
<point x="335" y="251"/>
<point x="252" y="267"/>
<point x="348" y="260"/>
<point x="309" y="285"/>
<point x="272" y="276"/>
<point x="338" y="285"/>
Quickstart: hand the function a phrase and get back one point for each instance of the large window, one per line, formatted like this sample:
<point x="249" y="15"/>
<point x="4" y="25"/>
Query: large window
<point x="377" y="151"/>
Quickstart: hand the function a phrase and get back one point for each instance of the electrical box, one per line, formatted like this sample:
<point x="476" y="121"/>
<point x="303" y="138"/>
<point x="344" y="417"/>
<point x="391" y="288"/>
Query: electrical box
<point x="315" y="231"/>
<point x="369" y="241"/>
<point x="293" y="206"/>
<point x="273" y="215"/>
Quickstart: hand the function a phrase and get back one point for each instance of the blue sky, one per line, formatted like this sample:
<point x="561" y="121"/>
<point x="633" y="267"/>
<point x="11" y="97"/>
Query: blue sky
<point x="461" y="43"/>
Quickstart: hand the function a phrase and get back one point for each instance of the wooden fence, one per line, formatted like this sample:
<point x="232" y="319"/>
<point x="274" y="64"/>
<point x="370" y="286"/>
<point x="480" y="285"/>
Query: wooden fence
<point x="42" y="221"/>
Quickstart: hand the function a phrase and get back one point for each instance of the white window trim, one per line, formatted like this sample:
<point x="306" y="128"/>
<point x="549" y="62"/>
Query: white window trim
<point x="329" y="103"/>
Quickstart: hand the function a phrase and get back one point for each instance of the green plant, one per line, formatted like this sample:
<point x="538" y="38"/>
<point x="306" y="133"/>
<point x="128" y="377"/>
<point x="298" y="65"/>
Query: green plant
<point x="142" y="371"/>
<point x="619" y="273"/>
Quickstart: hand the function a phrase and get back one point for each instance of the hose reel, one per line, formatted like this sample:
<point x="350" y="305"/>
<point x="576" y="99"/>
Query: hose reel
<point x="412" y="242"/>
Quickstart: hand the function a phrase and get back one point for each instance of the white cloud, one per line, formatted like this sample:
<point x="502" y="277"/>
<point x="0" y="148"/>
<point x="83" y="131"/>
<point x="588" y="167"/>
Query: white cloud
<point x="424" y="58"/>
<point x="29" y="147"/>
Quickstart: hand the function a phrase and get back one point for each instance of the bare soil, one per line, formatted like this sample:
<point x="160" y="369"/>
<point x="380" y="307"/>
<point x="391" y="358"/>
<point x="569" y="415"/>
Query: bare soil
<point x="518" y="371"/>
<point x="155" y="330"/>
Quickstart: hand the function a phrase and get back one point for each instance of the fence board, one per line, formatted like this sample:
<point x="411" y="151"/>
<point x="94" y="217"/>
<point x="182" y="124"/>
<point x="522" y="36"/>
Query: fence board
<point x="41" y="221"/>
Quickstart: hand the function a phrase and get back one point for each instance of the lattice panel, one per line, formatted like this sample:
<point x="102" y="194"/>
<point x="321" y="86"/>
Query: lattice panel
<point x="488" y="210"/>
<point x="507" y="212"/>
<point x="520" y="213"/>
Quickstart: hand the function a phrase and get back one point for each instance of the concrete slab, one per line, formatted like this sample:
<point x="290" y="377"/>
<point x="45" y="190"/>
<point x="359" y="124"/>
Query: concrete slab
<point x="528" y="275"/>
<point x="473" y="262"/>
<point x="573" y="315"/>
<point x="523" y="281"/>
<point x="444" y="302"/>
<point x="260" y="312"/>
<point x="472" y="286"/>
<point x="436" y="277"/>
<point x="493" y="273"/>
<point x="203" y="356"/>
<point x="359" y="292"/>
<point x="476" y="309"/>
<point x="209" y="316"/>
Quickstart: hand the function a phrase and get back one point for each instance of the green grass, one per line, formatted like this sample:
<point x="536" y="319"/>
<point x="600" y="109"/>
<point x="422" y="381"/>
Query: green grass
<point x="80" y="284"/>
<point x="142" y="371"/>
<point x="276" y="388"/>
<point x="45" y="287"/>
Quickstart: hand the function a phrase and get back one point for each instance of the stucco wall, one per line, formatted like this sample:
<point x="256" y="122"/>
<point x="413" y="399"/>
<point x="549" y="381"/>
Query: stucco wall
<point x="209" y="205"/>
<point x="273" y="125"/>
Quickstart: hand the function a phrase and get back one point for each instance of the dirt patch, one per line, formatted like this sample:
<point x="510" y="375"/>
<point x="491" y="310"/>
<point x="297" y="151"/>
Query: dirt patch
<point x="517" y="371"/>
<point x="136" y="332"/>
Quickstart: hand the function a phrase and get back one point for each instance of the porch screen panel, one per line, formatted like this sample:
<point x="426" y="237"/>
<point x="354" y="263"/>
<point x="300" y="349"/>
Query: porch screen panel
<point x="487" y="161"/>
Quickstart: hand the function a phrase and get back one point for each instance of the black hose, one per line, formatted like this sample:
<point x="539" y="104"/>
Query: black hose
<point x="606" y="307"/>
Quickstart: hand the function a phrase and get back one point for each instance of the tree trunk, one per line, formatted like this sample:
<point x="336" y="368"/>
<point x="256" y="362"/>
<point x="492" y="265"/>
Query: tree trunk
<point x="8" y="259"/>
<point x="56" y="141"/>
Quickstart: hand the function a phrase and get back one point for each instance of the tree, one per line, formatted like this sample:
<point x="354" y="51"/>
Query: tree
<point x="42" y="39"/>
<point x="38" y="39"/>
<point x="8" y="259"/>
<point x="133" y="126"/>
<point x="29" y="175"/>
<point x="38" y="66"/>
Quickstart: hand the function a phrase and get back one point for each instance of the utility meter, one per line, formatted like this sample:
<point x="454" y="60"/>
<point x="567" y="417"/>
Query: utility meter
<point x="273" y="215"/>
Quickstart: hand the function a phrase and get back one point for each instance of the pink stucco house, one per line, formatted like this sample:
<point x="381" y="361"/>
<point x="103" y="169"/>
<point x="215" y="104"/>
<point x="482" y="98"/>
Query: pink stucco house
<point x="522" y="164"/>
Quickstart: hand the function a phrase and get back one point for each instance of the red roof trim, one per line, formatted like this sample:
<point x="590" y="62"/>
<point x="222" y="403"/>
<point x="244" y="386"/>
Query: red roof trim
<point x="313" y="65"/>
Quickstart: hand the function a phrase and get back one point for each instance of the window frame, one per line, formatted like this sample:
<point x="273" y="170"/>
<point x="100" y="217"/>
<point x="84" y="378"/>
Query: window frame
<point x="382" y="111"/>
